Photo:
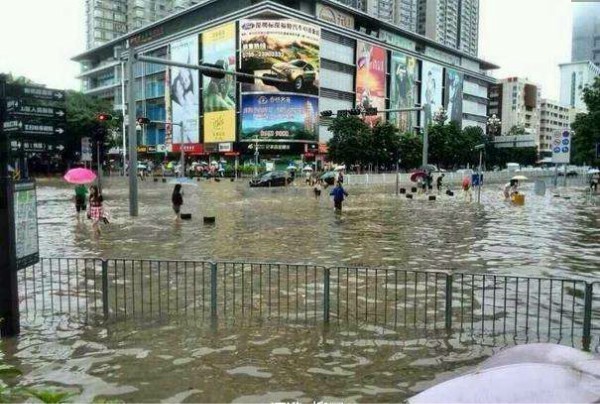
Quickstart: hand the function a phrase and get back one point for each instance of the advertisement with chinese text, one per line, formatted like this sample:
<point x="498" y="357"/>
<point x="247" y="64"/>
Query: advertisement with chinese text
<point x="431" y="91"/>
<point x="454" y="95"/>
<point x="285" y="50"/>
<point x="280" y="117"/>
<point x="403" y="94"/>
<point x="370" y="78"/>
<point x="218" y="95"/>
<point x="184" y="92"/>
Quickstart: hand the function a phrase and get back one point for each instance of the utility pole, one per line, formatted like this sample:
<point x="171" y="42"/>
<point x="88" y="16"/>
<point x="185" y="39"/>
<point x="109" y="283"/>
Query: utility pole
<point x="182" y="157"/>
<point x="9" y="288"/>
<point x="131" y="131"/>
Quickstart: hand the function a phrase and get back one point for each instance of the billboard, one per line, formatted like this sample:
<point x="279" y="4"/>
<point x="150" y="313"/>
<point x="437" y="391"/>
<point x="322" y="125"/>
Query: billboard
<point x="431" y="91"/>
<point x="403" y="94"/>
<point x="561" y="147"/>
<point x="282" y="117"/>
<point x="370" y="78"/>
<point x="218" y="95"/>
<point x="284" y="49"/>
<point x="454" y="95"/>
<point x="183" y="91"/>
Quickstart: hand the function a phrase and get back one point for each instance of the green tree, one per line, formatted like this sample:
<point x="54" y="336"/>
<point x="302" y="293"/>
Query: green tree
<point x="350" y="142"/>
<point x="587" y="127"/>
<point x="411" y="150"/>
<point x="385" y="144"/>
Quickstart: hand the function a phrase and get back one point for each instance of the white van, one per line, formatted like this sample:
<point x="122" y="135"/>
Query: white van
<point x="512" y="167"/>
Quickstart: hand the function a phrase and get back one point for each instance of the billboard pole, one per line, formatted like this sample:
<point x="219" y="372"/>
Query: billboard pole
<point x="131" y="131"/>
<point x="182" y="158"/>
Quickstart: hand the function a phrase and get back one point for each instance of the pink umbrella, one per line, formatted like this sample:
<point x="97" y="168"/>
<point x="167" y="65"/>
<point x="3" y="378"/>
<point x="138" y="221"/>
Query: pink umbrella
<point x="79" y="176"/>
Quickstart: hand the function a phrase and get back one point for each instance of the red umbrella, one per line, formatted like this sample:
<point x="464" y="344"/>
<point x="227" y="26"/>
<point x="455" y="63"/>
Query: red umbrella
<point x="79" y="176"/>
<point x="414" y="177"/>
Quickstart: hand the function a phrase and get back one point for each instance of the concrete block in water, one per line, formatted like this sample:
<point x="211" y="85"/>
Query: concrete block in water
<point x="186" y="216"/>
<point x="432" y="197"/>
<point x="409" y="196"/>
<point x="209" y="220"/>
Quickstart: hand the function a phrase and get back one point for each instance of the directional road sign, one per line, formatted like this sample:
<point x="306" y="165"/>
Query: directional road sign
<point x="24" y="127"/>
<point x="35" y="93"/>
<point x="18" y="108"/>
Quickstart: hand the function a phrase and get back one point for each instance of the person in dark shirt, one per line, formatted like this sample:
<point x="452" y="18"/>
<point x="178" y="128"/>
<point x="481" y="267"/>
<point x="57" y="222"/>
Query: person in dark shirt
<point x="440" y="179"/>
<point x="177" y="200"/>
<point x="338" y="194"/>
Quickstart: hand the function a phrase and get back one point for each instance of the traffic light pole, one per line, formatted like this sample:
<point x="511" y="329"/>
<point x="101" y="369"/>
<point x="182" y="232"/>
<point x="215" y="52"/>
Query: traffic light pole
<point x="9" y="288"/>
<point x="131" y="132"/>
<point x="99" y="166"/>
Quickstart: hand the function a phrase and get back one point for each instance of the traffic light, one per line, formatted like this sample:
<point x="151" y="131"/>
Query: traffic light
<point x="326" y="114"/>
<point x="142" y="120"/>
<point x="99" y="134"/>
<point x="342" y="113"/>
<point x="371" y="111"/>
<point x="212" y="70"/>
<point x="354" y="111"/>
<point x="104" y="117"/>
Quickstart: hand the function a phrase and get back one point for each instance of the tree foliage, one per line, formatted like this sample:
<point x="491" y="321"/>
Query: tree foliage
<point x="587" y="127"/>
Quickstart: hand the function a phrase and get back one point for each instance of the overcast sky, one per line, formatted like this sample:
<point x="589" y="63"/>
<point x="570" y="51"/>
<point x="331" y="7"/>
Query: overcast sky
<point x="526" y="38"/>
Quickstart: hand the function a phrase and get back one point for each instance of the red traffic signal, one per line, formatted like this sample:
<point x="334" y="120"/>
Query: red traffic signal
<point x="142" y="120"/>
<point x="104" y="117"/>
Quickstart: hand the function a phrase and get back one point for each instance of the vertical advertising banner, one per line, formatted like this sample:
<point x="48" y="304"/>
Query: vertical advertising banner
<point x="405" y="72"/>
<point x="454" y="95"/>
<point x="285" y="111"/>
<point x="168" y="110"/>
<point x="431" y="91"/>
<point x="218" y="95"/>
<point x="370" y="78"/>
<point x="184" y="89"/>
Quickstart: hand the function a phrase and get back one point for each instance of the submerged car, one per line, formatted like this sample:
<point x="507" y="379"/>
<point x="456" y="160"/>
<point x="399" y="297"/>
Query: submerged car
<point x="298" y="72"/>
<point x="272" y="179"/>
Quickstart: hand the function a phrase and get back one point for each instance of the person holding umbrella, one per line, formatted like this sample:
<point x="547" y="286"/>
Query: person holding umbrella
<point x="79" y="177"/>
<point x="80" y="199"/>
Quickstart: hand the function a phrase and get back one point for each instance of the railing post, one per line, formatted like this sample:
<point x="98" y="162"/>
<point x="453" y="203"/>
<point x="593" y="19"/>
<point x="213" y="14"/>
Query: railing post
<point x="587" y="317"/>
<point x="448" y="308"/>
<point x="105" y="288"/>
<point x="213" y="292"/>
<point x="326" y="280"/>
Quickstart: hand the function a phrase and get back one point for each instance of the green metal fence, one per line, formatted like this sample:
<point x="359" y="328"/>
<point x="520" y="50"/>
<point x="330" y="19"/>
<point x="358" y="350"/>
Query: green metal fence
<point x="92" y="290"/>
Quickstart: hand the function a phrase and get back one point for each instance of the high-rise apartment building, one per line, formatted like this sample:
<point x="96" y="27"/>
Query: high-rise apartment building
<point x="586" y="32"/>
<point x="454" y="23"/>
<point x="574" y="77"/>
<point x="110" y="19"/>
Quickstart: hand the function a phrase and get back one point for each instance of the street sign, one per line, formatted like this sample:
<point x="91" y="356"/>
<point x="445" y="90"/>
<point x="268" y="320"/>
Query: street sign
<point x="34" y="93"/>
<point x="28" y="146"/>
<point x="17" y="108"/>
<point x="24" y="127"/>
<point x="561" y="147"/>
<point x="26" y="224"/>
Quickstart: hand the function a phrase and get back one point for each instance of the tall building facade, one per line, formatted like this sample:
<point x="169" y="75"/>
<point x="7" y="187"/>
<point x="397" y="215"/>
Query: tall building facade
<point x="454" y="23"/>
<point x="586" y="32"/>
<point x="517" y="102"/>
<point x="574" y="77"/>
<point x="109" y="19"/>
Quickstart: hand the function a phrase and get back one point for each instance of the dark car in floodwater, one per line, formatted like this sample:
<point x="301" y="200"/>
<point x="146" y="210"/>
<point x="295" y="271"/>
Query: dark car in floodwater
<point x="272" y="179"/>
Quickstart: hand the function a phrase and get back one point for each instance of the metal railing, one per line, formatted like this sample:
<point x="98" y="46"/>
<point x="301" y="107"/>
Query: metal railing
<point x="92" y="290"/>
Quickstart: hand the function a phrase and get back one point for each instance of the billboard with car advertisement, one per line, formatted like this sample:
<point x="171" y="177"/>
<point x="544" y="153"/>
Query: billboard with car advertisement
<point x="281" y="117"/>
<point x="184" y="91"/>
<point x="280" y="48"/>
<point x="218" y="95"/>
<point x="370" y="78"/>
<point x="453" y="98"/>
<point x="431" y="91"/>
<point x="404" y="72"/>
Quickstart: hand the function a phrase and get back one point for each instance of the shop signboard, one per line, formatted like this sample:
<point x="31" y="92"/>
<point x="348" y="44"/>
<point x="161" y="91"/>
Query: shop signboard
<point x="334" y="16"/>
<point x="370" y="78"/>
<point x="218" y="95"/>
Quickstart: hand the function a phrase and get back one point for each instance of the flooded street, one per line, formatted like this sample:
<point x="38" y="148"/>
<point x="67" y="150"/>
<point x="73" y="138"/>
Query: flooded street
<point x="182" y="360"/>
